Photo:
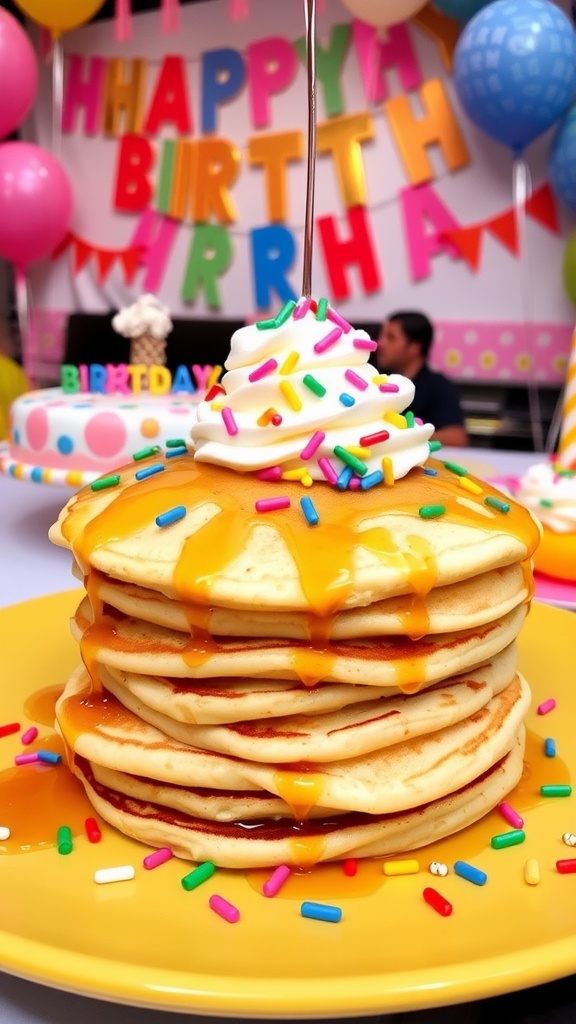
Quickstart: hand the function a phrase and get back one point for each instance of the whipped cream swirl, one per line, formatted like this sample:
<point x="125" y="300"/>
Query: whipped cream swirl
<point x="550" y="494"/>
<point x="300" y="388"/>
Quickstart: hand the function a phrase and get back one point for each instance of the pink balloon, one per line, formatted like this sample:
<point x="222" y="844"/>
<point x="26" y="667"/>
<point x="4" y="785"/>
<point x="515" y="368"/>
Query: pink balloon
<point x="35" y="203"/>
<point x="18" y="73"/>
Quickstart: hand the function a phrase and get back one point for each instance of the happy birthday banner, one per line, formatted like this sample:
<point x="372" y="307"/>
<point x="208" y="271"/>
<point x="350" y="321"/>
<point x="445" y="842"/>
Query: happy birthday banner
<point x="189" y="171"/>
<point x="190" y="178"/>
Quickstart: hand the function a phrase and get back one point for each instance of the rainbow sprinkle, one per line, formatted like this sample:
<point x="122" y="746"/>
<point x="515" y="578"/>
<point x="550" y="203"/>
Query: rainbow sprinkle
<point x="271" y="504"/>
<point x="309" y="511"/>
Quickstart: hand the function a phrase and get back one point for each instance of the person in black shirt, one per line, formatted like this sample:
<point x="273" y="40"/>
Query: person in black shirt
<point x="403" y="347"/>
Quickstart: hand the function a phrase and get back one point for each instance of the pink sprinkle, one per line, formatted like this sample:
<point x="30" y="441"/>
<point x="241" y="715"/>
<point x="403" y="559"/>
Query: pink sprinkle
<point x="26" y="758"/>
<point x="546" y="706"/>
<point x="313" y="445"/>
<point x="418" y="421"/>
<point x="273" y="473"/>
<point x="262" y="371"/>
<point x="271" y="504"/>
<point x="29" y="736"/>
<point x="153" y="860"/>
<point x="366" y="344"/>
<point x="510" y="815"/>
<point x="301" y="309"/>
<point x="328" y="470"/>
<point x="389" y="387"/>
<point x="276" y="880"/>
<point x="357" y="381"/>
<point x="354" y="484"/>
<point x="229" y="421"/>
<point x="335" y="317"/>
<point x="328" y="340"/>
<point x="224" y="909"/>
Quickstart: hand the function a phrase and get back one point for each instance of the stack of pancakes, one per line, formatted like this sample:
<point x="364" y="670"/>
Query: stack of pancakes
<point x="256" y="690"/>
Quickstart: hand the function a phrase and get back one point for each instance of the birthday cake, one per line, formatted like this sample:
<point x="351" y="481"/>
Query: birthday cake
<point x="548" y="489"/>
<point x="102" y="415"/>
<point x="298" y="636"/>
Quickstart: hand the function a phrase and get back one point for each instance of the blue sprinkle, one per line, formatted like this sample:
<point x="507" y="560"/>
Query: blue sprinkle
<point x="309" y="511"/>
<point x="149" y="471"/>
<point x="65" y="444"/>
<point x="182" y="450"/>
<point x="550" y="747"/>
<point x="344" y="478"/>
<point x="429" y="471"/>
<point x="171" y="516"/>
<point x="36" y="474"/>
<point x="372" y="480"/>
<point x="49" y="757"/>
<point x="470" y="873"/>
<point x="347" y="399"/>
<point x="321" y="912"/>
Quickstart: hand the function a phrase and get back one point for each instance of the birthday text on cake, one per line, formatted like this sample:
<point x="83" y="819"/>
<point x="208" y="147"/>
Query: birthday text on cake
<point x="136" y="378"/>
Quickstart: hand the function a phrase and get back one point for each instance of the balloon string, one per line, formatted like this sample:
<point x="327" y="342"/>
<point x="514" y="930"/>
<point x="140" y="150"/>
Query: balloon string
<point x="57" y="95"/>
<point x="310" y="18"/>
<point x="21" y="296"/>
<point x="521" y="190"/>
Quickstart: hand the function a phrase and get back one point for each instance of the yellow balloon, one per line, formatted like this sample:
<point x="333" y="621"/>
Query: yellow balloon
<point x="60" y="15"/>
<point x="383" y="12"/>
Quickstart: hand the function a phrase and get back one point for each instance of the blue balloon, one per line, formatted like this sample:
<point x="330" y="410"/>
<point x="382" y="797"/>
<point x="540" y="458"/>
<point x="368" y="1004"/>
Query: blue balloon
<point x="462" y="10"/>
<point x="562" y="160"/>
<point x="515" y="69"/>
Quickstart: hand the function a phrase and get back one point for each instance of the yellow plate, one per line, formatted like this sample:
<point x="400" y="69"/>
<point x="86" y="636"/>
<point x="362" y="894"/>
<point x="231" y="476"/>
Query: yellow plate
<point x="148" y="942"/>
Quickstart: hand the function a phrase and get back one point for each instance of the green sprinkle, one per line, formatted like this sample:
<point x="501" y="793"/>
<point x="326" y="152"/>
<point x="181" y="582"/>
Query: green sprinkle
<point x="145" y="453"/>
<point x="455" y="468"/>
<point x="175" y="442"/>
<point x="502" y="506"/>
<point x="322" y="309"/>
<point x="434" y="446"/>
<point x="314" y="385"/>
<point x="431" y="511"/>
<point x="285" y="313"/>
<point x="565" y="472"/>
<point x="356" y="464"/>
<point x="409" y="416"/>
<point x="556" y="790"/>
<point x="200" y="874"/>
<point x="546" y="503"/>
<point x="105" y="481"/>
<point x="64" y="839"/>
<point x="266" y="325"/>
<point x="512" y="838"/>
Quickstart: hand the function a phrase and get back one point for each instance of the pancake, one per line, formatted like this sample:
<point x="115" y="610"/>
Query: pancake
<point x="349" y="732"/>
<point x="221" y="701"/>
<point x="298" y="635"/>
<point x="469" y="603"/>
<point x="212" y="804"/>
<point x="281" y="842"/>
<point x="223" y="553"/>
<point x="387" y="780"/>
<point x="128" y="644"/>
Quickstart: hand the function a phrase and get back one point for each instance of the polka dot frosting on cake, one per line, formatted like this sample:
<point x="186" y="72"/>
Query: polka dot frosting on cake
<point x="71" y="439"/>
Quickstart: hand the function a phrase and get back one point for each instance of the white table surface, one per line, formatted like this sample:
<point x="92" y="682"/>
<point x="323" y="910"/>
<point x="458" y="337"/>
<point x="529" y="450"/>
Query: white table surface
<point x="30" y="566"/>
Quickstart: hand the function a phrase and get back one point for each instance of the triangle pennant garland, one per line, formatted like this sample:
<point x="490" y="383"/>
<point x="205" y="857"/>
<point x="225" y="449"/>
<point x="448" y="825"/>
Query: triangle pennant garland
<point x="468" y="242"/>
<point x="82" y="253"/>
<point x="505" y="229"/>
<point x="104" y="258"/>
<point x="541" y="207"/>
